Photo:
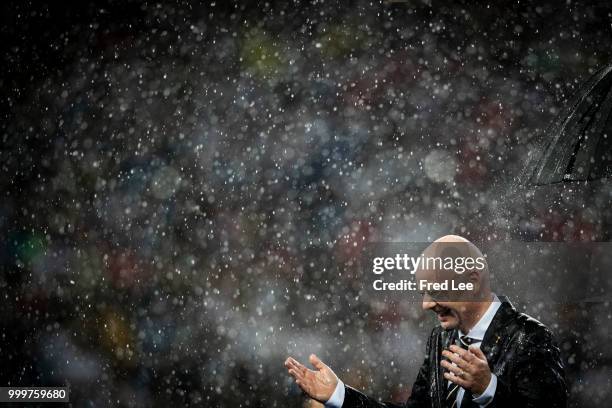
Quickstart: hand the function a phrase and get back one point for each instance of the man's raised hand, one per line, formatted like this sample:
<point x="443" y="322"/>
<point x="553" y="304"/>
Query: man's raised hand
<point x="470" y="369"/>
<point x="318" y="384"/>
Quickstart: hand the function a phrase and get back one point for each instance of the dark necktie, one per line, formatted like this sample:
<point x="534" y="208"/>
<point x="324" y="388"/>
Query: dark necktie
<point x="452" y="389"/>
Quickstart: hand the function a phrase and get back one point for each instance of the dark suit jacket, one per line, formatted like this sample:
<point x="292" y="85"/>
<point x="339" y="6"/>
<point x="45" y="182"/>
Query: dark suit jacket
<point x="521" y="352"/>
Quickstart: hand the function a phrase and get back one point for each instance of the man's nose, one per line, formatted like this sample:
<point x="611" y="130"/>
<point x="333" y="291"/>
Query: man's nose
<point x="428" y="302"/>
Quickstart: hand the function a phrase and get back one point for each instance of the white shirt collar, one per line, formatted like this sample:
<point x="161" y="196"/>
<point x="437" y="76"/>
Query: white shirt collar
<point x="478" y="331"/>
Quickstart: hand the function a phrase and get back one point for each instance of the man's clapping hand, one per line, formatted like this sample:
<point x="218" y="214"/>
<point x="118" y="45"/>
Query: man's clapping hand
<point x="318" y="384"/>
<point x="470" y="369"/>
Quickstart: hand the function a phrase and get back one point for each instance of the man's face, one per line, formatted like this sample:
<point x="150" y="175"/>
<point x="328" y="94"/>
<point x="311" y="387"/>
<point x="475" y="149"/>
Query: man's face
<point x="448" y="312"/>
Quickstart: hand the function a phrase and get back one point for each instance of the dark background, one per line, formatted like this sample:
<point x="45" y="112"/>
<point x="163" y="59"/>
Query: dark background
<point x="185" y="186"/>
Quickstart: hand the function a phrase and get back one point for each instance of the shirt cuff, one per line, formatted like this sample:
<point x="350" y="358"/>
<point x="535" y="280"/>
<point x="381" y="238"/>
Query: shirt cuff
<point x="486" y="397"/>
<point x="337" y="398"/>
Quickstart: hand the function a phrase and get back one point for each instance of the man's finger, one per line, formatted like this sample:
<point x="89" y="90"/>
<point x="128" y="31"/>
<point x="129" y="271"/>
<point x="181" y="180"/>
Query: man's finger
<point x="457" y="359"/>
<point x="457" y="380"/>
<point x="302" y="381"/>
<point x="466" y="355"/>
<point x="454" y="369"/>
<point x="288" y="362"/>
<point x="316" y="362"/>
<point x="475" y="350"/>
<point x="293" y="363"/>
<point x="296" y="375"/>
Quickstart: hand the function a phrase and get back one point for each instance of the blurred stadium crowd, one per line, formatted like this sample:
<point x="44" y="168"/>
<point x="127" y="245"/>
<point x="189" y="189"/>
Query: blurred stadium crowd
<point x="185" y="188"/>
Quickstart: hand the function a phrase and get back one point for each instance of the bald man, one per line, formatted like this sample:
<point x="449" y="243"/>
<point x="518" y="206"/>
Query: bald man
<point x="483" y="354"/>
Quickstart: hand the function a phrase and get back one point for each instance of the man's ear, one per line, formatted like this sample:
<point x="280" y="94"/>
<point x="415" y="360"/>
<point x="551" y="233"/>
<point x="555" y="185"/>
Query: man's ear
<point x="473" y="277"/>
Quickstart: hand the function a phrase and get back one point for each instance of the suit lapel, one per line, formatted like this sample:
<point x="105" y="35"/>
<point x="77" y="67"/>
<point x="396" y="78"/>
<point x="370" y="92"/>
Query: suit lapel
<point x="446" y="339"/>
<point x="492" y="341"/>
<point x="494" y="336"/>
<point x="490" y="346"/>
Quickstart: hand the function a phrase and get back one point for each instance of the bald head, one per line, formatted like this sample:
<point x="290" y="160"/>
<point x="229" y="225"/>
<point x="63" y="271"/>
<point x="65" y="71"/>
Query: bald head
<point x="452" y="238"/>
<point x="466" y="261"/>
<point x="460" y="263"/>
